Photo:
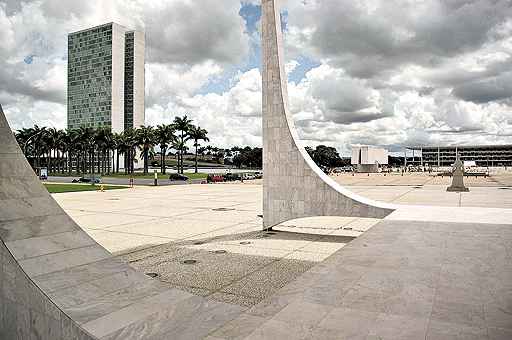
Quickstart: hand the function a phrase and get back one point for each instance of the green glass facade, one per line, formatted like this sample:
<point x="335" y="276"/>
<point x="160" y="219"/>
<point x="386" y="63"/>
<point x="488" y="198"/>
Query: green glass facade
<point x="90" y="77"/>
<point x="106" y="78"/>
<point x="128" y="79"/>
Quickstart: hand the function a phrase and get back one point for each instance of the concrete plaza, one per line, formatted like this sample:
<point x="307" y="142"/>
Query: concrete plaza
<point x="156" y="229"/>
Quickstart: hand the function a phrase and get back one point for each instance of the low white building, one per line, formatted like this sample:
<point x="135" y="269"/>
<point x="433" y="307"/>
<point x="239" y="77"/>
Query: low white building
<point x="368" y="158"/>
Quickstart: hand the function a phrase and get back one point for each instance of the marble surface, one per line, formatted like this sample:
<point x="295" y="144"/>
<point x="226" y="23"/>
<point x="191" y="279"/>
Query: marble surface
<point x="56" y="282"/>
<point x="293" y="185"/>
<point x="400" y="280"/>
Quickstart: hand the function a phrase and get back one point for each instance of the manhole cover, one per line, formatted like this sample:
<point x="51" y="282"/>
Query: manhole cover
<point x="190" y="262"/>
<point x="220" y="251"/>
<point x="245" y="242"/>
<point x="223" y="209"/>
<point x="152" y="274"/>
<point x="198" y="243"/>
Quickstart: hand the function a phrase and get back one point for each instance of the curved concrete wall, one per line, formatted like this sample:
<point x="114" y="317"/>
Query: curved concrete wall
<point x="293" y="185"/>
<point x="26" y="214"/>
<point x="57" y="283"/>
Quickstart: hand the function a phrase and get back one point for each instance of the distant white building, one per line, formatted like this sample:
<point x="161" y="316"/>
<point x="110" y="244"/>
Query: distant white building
<point x="368" y="158"/>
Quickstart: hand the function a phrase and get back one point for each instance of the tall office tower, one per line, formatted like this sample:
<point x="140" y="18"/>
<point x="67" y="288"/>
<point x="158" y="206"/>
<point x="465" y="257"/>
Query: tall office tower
<point x="106" y="78"/>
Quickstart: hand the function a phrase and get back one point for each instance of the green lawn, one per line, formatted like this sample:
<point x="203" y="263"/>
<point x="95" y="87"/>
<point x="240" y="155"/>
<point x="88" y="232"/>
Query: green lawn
<point x="59" y="188"/>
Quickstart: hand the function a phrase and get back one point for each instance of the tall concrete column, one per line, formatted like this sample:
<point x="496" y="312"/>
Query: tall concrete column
<point x="293" y="185"/>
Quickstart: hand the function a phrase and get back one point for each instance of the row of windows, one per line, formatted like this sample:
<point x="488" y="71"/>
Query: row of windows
<point x="92" y="32"/>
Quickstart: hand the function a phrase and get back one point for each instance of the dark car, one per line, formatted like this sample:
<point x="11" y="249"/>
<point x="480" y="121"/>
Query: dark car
<point x="230" y="177"/>
<point x="86" y="180"/>
<point x="177" y="177"/>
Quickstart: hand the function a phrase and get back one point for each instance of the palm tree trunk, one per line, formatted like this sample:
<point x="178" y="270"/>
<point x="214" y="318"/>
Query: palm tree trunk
<point x="117" y="161"/>
<point x="180" y="160"/>
<point x="48" y="161"/>
<point x="196" y="158"/>
<point x="162" y="161"/>
<point x="70" y="164"/>
<point x="132" y="157"/>
<point x="146" y="168"/>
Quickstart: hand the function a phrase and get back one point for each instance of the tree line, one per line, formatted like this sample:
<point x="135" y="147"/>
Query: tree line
<point x="97" y="150"/>
<point x="327" y="157"/>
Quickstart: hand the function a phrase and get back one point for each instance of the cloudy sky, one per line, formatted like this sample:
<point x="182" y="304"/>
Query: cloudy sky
<point x="383" y="72"/>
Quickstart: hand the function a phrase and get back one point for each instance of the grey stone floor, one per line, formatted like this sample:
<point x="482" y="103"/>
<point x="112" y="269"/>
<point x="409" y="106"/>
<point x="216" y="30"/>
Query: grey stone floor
<point x="400" y="280"/>
<point x="223" y="275"/>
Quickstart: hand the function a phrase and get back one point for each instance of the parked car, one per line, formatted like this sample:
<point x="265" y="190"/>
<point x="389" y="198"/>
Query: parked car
<point x="214" y="178"/>
<point x="230" y="177"/>
<point x="177" y="177"/>
<point x="258" y="174"/>
<point x="86" y="180"/>
<point x="248" y="176"/>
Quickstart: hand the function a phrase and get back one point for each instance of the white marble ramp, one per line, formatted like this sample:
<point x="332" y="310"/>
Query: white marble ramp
<point x="57" y="283"/>
<point x="452" y="214"/>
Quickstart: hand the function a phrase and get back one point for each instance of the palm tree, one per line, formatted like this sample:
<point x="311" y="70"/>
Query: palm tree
<point x="123" y="145"/>
<point x="69" y="146"/>
<point x="164" y="135"/>
<point x="60" y="146"/>
<point x="51" y="139"/>
<point x="103" y="141"/>
<point x="37" y="140"/>
<point x="87" y="145"/>
<point x="182" y="124"/>
<point x="129" y="143"/>
<point x="145" y="137"/>
<point x="196" y="133"/>
<point x="116" y="146"/>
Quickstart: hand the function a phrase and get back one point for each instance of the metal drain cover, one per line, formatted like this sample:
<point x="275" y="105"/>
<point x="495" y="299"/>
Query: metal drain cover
<point x="197" y="243"/>
<point x="245" y="242"/>
<point x="220" y="251"/>
<point x="506" y="188"/>
<point x="190" y="262"/>
<point x="152" y="274"/>
<point x="113" y="199"/>
<point x="270" y="233"/>
<point x="260" y="216"/>
<point x="223" y="209"/>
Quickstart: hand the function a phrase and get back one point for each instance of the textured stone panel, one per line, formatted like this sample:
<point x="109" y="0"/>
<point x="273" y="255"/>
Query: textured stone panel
<point x="55" y="280"/>
<point x="293" y="185"/>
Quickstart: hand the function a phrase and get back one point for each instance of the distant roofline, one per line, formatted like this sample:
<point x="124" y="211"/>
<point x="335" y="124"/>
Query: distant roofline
<point x="92" y="28"/>
<point x="459" y="146"/>
<point x="102" y="25"/>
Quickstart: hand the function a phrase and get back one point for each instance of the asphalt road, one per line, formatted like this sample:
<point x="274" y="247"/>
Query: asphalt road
<point x="124" y="181"/>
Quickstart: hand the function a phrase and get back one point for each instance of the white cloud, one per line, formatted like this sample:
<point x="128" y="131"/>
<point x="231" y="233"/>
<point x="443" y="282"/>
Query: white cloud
<point x="395" y="72"/>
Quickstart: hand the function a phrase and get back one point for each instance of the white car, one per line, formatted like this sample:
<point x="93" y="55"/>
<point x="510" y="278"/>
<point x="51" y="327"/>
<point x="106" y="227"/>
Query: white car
<point x="248" y="176"/>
